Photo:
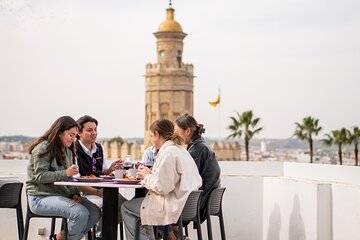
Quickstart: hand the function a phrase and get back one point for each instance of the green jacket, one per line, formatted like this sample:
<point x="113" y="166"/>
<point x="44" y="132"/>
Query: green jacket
<point x="42" y="174"/>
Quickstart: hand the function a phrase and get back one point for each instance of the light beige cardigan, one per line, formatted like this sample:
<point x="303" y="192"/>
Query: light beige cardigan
<point x="173" y="178"/>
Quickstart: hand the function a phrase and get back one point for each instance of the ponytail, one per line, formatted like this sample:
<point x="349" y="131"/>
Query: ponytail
<point x="177" y="139"/>
<point x="166" y="129"/>
<point x="187" y="121"/>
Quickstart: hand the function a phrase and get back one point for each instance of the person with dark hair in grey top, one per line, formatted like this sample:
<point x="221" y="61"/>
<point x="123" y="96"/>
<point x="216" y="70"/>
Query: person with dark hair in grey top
<point x="189" y="129"/>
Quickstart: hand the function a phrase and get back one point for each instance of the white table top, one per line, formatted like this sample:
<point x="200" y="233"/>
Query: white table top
<point x="8" y="177"/>
<point x="100" y="184"/>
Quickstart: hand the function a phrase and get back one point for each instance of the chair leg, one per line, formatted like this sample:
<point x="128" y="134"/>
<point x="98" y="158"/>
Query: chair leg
<point x="65" y="227"/>
<point x="181" y="233"/>
<point x="26" y="229"/>
<point x="121" y="230"/>
<point x="94" y="232"/>
<point x="209" y="229"/>
<point x="222" y="228"/>
<point x="52" y="227"/>
<point x="156" y="233"/>
<point x="198" y="229"/>
<point x="20" y="221"/>
<point x="186" y="231"/>
<point x="89" y="235"/>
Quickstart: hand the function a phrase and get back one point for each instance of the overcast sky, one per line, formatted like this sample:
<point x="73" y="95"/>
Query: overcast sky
<point x="283" y="59"/>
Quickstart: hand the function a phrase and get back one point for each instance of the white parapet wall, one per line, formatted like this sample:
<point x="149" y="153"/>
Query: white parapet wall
<point x="346" y="212"/>
<point x="291" y="209"/>
<point x="323" y="172"/>
<point x="262" y="201"/>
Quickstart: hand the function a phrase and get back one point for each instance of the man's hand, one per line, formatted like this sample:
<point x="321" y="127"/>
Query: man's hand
<point x="116" y="165"/>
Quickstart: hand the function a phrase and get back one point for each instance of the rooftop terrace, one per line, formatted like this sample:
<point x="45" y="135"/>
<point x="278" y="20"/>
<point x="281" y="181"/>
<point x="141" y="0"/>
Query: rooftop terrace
<point x="263" y="201"/>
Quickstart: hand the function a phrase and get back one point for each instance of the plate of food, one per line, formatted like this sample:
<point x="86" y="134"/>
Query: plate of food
<point x="90" y="178"/>
<point x="107" y="176"/>
<point x="127" y="180"/>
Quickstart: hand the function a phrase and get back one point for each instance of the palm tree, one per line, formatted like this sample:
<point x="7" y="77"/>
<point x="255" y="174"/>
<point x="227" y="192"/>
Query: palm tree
<point x="337" y="137"/>
<point x="305" y="131"/>
<point x="354" y="138"/>
<point x="244" y="124"/>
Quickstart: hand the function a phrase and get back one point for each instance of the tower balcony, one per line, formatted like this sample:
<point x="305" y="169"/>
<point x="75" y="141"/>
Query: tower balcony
<point x="157" y="68"/>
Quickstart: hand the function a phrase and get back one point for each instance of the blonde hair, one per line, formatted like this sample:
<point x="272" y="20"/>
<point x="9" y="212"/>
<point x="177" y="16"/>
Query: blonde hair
<point x="165" y="128"/>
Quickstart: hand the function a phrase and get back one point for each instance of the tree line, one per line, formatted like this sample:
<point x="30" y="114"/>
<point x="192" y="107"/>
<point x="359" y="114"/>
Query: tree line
<point x="245" y="125"/>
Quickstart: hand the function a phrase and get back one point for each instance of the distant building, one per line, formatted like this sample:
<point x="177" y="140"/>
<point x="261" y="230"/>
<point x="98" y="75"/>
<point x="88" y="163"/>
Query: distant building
<point x="263" y="146"/>
<point x="116" y="150"/>
<point x="226" y="151"/>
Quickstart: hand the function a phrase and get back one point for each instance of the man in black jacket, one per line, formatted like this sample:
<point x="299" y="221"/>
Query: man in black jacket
<point x="92" y="161"/>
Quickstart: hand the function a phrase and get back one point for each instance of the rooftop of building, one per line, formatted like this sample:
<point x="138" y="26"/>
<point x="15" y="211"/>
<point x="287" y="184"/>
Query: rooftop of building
<point x="263" y="200"/>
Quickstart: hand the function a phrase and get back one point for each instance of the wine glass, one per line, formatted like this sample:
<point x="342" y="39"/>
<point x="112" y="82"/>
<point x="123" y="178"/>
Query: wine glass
<point x="127" y="162"/>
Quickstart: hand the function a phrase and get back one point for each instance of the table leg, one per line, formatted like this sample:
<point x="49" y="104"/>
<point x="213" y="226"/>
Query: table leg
<point x="110" y="213"/>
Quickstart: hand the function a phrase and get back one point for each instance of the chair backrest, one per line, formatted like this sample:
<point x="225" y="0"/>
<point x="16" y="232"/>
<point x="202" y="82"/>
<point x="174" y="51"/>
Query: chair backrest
<point x="10" y="194"/>
<point x="214" y="201"/>
<point x="191" y="207"/>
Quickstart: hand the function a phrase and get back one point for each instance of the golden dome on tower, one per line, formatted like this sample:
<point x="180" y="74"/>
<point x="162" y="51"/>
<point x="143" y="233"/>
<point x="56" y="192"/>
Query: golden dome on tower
<point x="170" y="25"/>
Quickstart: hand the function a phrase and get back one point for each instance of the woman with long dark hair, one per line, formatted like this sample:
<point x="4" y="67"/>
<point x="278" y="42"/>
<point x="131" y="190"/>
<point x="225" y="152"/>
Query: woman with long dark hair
<point x="53" y="159"/>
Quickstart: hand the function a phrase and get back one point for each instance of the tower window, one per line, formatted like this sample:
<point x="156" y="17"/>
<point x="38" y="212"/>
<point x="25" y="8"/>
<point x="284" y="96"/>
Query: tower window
<point x="178" y="58"/>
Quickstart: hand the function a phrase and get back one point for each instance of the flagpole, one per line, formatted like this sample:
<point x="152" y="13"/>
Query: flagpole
<point x="219" y="115"/>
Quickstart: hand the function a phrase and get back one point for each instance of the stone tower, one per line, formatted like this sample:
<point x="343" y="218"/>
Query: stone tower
<point x="169" y="82"/>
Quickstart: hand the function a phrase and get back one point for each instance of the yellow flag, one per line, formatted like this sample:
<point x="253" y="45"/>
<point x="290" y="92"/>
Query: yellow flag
<point x="216" y="102"/>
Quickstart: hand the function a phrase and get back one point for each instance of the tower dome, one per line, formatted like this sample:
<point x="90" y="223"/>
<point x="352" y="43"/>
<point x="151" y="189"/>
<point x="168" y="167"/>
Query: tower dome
<point x="170" y="25"/>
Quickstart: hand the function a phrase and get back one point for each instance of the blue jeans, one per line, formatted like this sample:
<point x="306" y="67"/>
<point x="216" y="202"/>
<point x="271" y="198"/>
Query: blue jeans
<point x="82" y="216"/>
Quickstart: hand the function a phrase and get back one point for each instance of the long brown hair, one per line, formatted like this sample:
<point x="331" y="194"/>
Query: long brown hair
<point x="54" y="146"/>
<point x="165" y="128"/>
<point x="187" y="121"/>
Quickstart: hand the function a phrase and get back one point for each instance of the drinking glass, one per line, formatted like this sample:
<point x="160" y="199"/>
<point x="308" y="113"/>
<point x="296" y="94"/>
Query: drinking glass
<point x="127" y="162"/>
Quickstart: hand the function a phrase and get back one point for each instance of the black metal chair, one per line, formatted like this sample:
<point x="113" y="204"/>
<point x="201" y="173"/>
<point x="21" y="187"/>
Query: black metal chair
<point x="30" y="214"/>
<point x="10" y="197"/>
<point x="190" y="213"/>
<point x="214" y="208"/>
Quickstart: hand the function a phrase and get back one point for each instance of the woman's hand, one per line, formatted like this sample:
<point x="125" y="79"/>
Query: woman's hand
<point x="72" y="170"/>
<point x="143" y="171"/>
<point x="75" y="200"/>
